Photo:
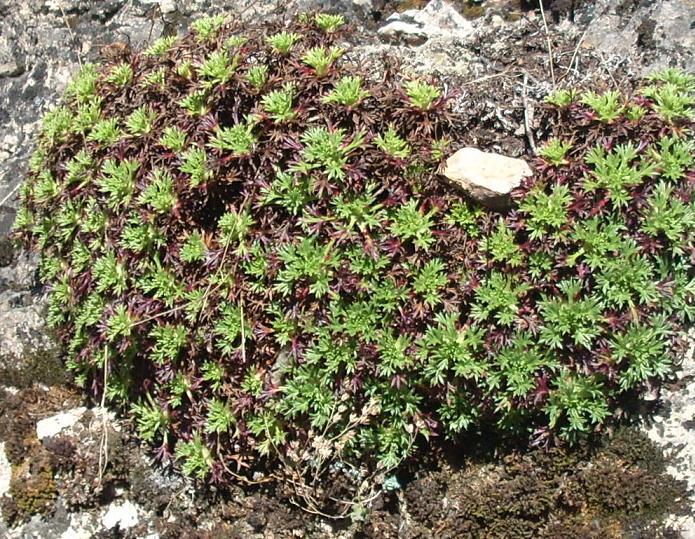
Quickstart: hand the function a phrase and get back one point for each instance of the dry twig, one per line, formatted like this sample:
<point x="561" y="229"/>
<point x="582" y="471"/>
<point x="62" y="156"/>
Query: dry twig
<point x="528" y="113"/>
<point x="9" y="195"/>
<point x="550" y="45"/>
<point x="73" y="37"/>
<point x="104" y="443"/>
<point x="574" y="54"/>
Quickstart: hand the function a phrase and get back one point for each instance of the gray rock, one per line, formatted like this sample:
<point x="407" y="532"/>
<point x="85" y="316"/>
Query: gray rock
<point x="167" y="7"/>
<point x="54" y="425"/>
<point x="5" y="471"/>
<point x="672" y="429"/>
<point x="656" y="34"/>
<point x="28" y="353"/>
<point x="437" y="19"/>
<point x="409" y="33"/>
<point x="39" y="527"/>
<point x="122" y="514"/>
<point x="82" y="526"/>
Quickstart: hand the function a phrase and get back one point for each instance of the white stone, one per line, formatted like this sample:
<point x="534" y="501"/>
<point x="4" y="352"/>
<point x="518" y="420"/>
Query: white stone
<point x="5" y="471"/>
<point x="403" y="31"/>
<point x="49" y="427"/>
<point x="82" y="526"/>
<point x="444" y="17"/>
<point x="487" y="177"/>
<point x="167" y="6"/>
<point x="438" y="19"/>
<point x="124" y="514"/>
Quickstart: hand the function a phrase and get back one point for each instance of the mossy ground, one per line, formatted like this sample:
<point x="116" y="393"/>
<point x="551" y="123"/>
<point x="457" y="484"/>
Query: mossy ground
<point x="618" y="488"/>
<point x="608" y="491"/>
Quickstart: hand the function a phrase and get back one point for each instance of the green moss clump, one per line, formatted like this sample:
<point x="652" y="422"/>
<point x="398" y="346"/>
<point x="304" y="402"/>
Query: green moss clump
<point x="32" y="489"/>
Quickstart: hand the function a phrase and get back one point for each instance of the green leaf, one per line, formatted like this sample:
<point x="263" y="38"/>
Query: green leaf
<point x="173" y="138"/>
<point x="278" y="103"/>
<point x="497" y="297"/>
<point x="328" y="23"/>
<point x="194" y="248"/>
<point x="218" y="68"/>
<point x="347" y="92"/>
<point x="141" y="120"/>
<point x="617" y="171"/>
<point x="411" y="223"/>
<point x="321" y="59"/>
<point x="208" y="28"/>
<point x="573" y="317"/>
<point x="307" y="262"/>
<point x="195" y="457"/>
<point x="393" y="145"/>
<point x="220" y="417"/>
<point x="555" y="151"/>
<point x="168" y="340"/>
<point x="117" y="181"/>
<point x="643" y="350"/>
<point x="120" y="75"/>
<point x="151" y="420"/>
<point x="422" y="95"/>
<point x="429" y="280"/>
<point x="283" y="42"/>
<point x="239" y="139"/>
<point x="447" y="348"/>
<point x="159" y="194"/>
<point x="119" y="324"/>
<point x="575" y="404"/>
<point x="607" y="106"/>
<point x="160" y="46"/>
<point x="546" y="213"/>
<point x="194" y="162"/>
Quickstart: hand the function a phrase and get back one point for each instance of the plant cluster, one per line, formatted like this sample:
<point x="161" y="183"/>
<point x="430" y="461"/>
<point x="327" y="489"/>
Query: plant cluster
<point x="250" y="237"/>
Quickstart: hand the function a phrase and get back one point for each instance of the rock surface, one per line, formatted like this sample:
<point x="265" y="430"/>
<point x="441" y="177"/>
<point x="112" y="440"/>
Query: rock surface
<point x="28" y="353"/>
<point x="656" y="33"/>
<point x="437" y="19"/>
<point x="673" y="428"/>
<point x="54" y="425"/>
<point x="5" y="471"/>
<point x="122" y="514"/>
<point x="486" y="177"/>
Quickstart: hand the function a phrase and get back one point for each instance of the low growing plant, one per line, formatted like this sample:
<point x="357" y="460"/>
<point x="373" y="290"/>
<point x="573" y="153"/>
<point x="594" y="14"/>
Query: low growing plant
<point x="279" y="278"/>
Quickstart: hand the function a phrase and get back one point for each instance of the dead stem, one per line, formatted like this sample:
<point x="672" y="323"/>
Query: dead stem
<point x="550" y="45"/>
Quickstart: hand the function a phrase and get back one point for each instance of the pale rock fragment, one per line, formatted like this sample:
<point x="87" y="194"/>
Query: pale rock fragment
<point x="51" y="426"/>
<point x="486" y="177"/>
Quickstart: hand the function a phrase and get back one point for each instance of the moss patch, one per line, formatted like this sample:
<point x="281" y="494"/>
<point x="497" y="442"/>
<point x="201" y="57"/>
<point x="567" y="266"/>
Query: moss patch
<point x="607" y="492"/>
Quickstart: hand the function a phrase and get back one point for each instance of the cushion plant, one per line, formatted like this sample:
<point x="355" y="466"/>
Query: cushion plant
<point x="248" y="248"/>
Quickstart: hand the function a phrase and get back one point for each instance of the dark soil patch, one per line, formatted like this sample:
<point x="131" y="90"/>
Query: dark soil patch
<point x="645" y="34"/>
<point x="602" y="492"/>
<point x="7" y="251"/>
